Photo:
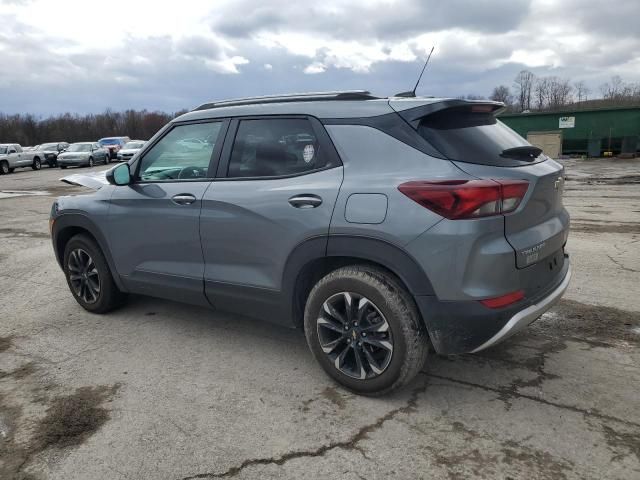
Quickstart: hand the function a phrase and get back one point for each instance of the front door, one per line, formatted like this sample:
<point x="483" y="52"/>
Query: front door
<point x="280" y="180"/>
<point x="154" y="222"/>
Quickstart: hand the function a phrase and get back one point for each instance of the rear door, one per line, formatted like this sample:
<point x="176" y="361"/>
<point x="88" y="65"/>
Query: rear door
<point x="154" y="223"/>
<point x="482" y="146"/>
<point x="277" y="185"/>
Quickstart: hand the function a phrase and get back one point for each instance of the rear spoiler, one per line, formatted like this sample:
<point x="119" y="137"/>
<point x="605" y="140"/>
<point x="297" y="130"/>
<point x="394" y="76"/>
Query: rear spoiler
<point x="413" y="115"/>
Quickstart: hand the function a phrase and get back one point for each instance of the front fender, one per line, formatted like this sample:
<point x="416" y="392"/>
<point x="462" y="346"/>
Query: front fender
<point x="71" y="223"/>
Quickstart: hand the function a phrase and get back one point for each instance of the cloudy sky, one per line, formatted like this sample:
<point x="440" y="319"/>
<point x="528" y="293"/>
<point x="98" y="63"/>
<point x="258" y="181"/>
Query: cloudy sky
<point x="88" y="55"/>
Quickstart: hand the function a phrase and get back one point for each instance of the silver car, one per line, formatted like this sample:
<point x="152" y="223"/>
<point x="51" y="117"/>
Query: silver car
<point x="129" y="150"/>
<point x="83" y="154"/>
<point x="377" y="225"/>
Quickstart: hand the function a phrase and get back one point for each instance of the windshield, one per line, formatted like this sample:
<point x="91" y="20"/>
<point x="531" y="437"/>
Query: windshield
<point x="109" y="141"/>
<point x="79" y="147"/>
<point x="49" y="146"/>
<point x="134" y="145"/>
<point x="3" y="150"/>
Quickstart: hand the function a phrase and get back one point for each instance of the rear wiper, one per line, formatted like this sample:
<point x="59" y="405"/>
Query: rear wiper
<point x="526" y="152"/>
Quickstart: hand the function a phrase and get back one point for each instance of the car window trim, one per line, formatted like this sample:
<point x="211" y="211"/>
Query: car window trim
<point x="333" y="159"/>
<point x="213" y="160"/>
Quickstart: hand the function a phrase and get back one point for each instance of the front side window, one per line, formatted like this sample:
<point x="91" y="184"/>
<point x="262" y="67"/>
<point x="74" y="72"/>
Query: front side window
<point x="177" y="157"/>
<point x="275" y="147"/>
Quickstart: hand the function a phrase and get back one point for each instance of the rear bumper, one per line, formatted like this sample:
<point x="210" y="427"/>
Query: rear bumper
<point x="469" y="327"/>
<point x="525" y="317"/>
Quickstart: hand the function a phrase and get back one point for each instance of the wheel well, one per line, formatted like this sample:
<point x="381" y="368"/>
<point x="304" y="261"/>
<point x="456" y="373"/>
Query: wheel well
<point x="313" y="271"/>
<point x="63" y="237"/>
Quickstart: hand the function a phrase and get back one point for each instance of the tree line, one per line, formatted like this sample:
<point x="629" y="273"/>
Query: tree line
<point x="27" y="129"/>
<point x="532" y="93"/>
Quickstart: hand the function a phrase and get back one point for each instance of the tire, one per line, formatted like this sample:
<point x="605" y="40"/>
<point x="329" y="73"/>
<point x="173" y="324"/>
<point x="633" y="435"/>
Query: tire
<point x="36" y="165"/>
<point x="12" y="169"/>
<point x="90" y="162"/>
<point x="101" y="299"/>
<point x="4" y="168"/>
<point x="107" y="159"/>
<point x="63" y="166"/>
<point x="387" y="302"/>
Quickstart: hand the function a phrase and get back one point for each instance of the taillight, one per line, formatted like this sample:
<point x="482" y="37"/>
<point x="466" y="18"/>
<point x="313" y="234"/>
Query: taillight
<point x="460" y="199"/>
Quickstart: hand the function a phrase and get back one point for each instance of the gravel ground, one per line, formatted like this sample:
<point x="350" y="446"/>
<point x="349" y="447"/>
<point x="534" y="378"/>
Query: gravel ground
<point x="159" y="390"/>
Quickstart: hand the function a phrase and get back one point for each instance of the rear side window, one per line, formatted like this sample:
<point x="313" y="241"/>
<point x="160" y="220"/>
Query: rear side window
<point x="468" y="134"/>
<point x="276" y="147"/>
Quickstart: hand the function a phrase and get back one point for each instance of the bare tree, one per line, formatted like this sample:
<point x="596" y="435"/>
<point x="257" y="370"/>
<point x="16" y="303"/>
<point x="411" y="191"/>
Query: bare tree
<point x="501" y="93"/>
<point x="613" y="90"/>
<point x="541" y="93"/>
<point x="524" y="88"/>
<point x="559" y="92"/>
<point x="28" y="130"/>
<point x="582" y="91"/>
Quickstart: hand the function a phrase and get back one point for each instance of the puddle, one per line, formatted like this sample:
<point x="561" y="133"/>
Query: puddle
<point x="22" y="193"/>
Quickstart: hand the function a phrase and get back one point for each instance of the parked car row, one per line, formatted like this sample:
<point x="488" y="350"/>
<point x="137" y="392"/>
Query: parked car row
<point x="63" y="154"/>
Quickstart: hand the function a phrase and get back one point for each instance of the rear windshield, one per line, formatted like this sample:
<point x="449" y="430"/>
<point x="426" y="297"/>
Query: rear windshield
<point x="467" y="135"/>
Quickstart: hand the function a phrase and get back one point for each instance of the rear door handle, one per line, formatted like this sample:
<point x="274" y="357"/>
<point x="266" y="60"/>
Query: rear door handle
<point x="183" y="199"/>
<point x="305" y="201"/>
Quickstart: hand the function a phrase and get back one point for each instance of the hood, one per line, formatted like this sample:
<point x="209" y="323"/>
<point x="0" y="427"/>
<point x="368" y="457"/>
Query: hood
<point x="74" y="154"/>
<point x="95" y="180"/>
<point x="130" y="150"/>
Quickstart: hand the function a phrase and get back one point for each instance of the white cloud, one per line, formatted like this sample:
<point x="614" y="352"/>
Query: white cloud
<point x="164" y="55"/>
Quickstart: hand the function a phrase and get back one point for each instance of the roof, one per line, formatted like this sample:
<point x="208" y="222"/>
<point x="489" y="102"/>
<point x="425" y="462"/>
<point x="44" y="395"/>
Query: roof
<point x="341" y="104"/>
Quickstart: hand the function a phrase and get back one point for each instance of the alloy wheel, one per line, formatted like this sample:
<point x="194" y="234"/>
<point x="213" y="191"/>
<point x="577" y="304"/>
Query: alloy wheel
<point x="83" y="276"/>
<point x="355" y="335"/>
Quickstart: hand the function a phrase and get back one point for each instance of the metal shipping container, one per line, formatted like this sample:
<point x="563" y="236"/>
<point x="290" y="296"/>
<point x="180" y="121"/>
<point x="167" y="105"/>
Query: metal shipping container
<point x="582" y="128"/>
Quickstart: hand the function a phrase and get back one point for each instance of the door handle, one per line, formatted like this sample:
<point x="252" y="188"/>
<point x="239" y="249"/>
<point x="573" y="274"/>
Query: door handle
<point x="305" y="201"/>
<point x="183" y="199"/>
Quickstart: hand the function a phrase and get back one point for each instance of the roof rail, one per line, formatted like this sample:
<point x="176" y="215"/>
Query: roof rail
<point x="292" y="97"/>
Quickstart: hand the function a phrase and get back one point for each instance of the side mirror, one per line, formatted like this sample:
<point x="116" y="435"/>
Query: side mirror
<point x="119" y="175"/>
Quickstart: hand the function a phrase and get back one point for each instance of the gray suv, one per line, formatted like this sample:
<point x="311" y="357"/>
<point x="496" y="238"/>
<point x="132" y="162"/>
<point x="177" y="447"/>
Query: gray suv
<point x="377" y="225"/>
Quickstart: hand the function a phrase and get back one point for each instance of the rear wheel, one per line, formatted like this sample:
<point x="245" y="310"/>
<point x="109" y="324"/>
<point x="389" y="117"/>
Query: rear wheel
<point x="36" y="165"/>
<point x="364" y="329"/>
<point x="4" y="167"/>
<point x="90" y="161"/>
<point x="89" y="277"/>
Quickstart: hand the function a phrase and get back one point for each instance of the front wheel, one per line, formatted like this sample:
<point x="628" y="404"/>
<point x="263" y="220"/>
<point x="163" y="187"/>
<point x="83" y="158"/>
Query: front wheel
<point x="4" y="167"/>
<point x="364" y="329"/>
<point x="89" y="277"/>
<point x="63" y="166"/>
<point x="90" y="161"/>
<point x="36" y="165"/>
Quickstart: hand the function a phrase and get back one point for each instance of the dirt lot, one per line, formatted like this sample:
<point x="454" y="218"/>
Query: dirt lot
<point x="159" y="390"/>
